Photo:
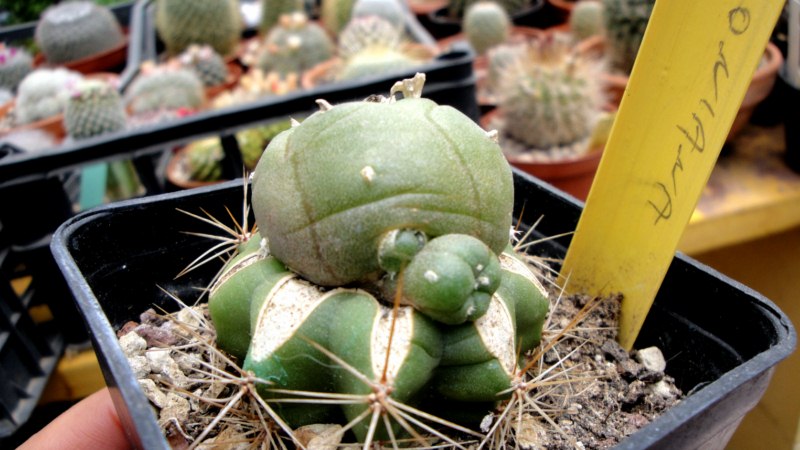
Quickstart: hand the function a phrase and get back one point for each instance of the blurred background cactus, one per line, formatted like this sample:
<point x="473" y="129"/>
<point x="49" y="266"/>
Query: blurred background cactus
<point x="272" y="10"/>
<point x="15" y="64"/>
<point x="94" y="108"/>
<point x="586" y="19"/>
<point x="457" y="8"/>
<point x="43" y="93"/>
<point x="335" y="14"/>
<point x="74" y="30"/>
<point x="164" y="88"/>
<point x="294" y="46"/>
<point x="180" y="23"/>
<point x="206" y="63"/>
<point x="486" y="24"/>
<point x="390" y="10"/>
<point x="550" y="96"/>
<point x="625" y="22"/>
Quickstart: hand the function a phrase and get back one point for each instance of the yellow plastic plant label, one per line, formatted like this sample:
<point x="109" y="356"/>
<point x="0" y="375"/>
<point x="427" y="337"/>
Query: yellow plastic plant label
<point x="692" y="71"/>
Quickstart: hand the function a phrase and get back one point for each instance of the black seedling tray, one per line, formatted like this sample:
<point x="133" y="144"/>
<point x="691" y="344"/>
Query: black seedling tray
<point x="720" y="338"/>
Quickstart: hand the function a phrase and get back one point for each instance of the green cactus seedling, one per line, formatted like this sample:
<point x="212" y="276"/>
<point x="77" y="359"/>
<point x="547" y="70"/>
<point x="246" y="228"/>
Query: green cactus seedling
<point x="70" y="31"/>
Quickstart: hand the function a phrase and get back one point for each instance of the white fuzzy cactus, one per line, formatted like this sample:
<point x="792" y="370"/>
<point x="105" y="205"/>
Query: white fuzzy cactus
<point x="44" y="93"/>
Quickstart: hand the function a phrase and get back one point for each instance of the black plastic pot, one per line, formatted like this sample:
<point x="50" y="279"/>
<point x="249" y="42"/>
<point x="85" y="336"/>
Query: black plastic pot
<point x="721" y="339"/>
<point x="442" y="24"/>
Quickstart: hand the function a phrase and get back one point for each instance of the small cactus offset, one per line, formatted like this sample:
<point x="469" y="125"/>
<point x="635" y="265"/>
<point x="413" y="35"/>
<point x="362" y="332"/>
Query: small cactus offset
<point x="206" y="63"/>
<point x="469" y="308"/>
<point x="551" y="96"/>
<point x="94" y="108"/>
<point x="165" y="87"/>
<point x="181" y="23"/>
<point x="586" y="19"/>
<point x="272" y="10"/>
<point x="625" y="23"/>
<point x="294" y="46"/>
<point x="70" y="31"/>
<point x="44" y="93"/>
<point x="15" y="64"/>
<point x="486" y="24"/>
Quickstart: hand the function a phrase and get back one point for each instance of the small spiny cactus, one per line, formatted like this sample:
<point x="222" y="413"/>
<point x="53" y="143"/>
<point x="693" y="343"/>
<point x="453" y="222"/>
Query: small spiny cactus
<point x="202" y="160"/>
<point x="625" y="23"/>
<point x="44" y="93"/>
<point x="366" y="32"/>
<point x="165" y="88"/>
<point x="272" y="10"/>
<point x="94" y="108"/>
<point x="206" y="63"/>
<point x="486" y="24"/>
<point x="586" y="19"/>
<point x="390" y="10"/>
<point x="15" y="63"/>
<point x="458" y="8"/>
<point x="70" y="31"/>
<point x="181" y="23"/>
<point x="551" y="96"/>
<point x="294" y="46"/>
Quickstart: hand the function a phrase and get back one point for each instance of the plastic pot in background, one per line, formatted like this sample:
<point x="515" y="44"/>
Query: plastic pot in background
<point x="721" y="339"/>
<point x="790" y="76"/>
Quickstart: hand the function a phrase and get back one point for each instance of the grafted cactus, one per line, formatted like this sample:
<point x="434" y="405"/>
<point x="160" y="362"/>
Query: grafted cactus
<point x="15" y="63"/>
<point x="551" y="95"/>
<point x="353" y="217"/>
<point x="69" y="31"/>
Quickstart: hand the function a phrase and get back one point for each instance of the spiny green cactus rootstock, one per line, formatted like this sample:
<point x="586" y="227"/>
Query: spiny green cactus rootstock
<point x="411" y="200"/>
<point x="94" y="108"/>
<point x="15" y="63"/>
<point x="551" y="95"/>
<point x="294" y="46"/>
<point x="181" y="23"/>
<point x="204" y="61"/>
<point x="625" y="23"/>
<point x="44" y="93"/>
<point x="486" y="24"/>
<point x="70" y="31"/>
<point x="165" y="88"/>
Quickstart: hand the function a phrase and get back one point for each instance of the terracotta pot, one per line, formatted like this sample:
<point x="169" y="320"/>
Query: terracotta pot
<point x="53" y="125"/>
<point x="234" y="74"/>
<point x="574" y="175"/>
<point x="422" y="7"/>
<point x="759" y="88"/>
<point x="101" y="62"/>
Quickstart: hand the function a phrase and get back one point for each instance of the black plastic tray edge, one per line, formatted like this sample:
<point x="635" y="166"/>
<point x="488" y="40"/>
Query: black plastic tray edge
<point x="653" y="435"/>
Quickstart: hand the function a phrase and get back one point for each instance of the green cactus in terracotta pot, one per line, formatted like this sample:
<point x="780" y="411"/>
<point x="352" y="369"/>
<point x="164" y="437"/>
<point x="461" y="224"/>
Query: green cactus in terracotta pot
<point x="486" y="24"/>
<point x="15" y="64"/>
<point x="70" y="31"/>
<point x="550" y="96"/>
<point x="181" y="23"/>
<point x="94" y="108"/>
<point x="362" y="205"/>
<point x="43" y="93"/>
<point x="294" y="46"/>
<point x="164" y="88"/>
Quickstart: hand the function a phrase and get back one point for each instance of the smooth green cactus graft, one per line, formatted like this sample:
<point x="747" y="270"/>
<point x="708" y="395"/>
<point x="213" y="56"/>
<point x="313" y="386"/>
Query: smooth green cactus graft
<point x="360" y="205"/>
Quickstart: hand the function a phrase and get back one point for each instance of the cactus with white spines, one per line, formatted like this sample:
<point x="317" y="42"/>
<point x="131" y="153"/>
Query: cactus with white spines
<point x="70" y="31"/>
<point x="44" y="93"/>
<point x="94" y="108"/>
<point x="206" y="63"/>
<point x="550" y="96"/>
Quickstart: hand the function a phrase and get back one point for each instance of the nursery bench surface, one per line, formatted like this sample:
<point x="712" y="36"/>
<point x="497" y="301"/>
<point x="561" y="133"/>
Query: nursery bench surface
<point x="751" y="194"/>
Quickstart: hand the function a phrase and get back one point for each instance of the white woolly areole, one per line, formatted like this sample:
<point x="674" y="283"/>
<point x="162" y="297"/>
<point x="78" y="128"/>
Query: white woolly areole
<point x="245" y="262"/>
<point x="401" y="341"/>
<point x="496" y="330"/>
<point x="288" y="305"/>
<point x="518" y="267"/>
